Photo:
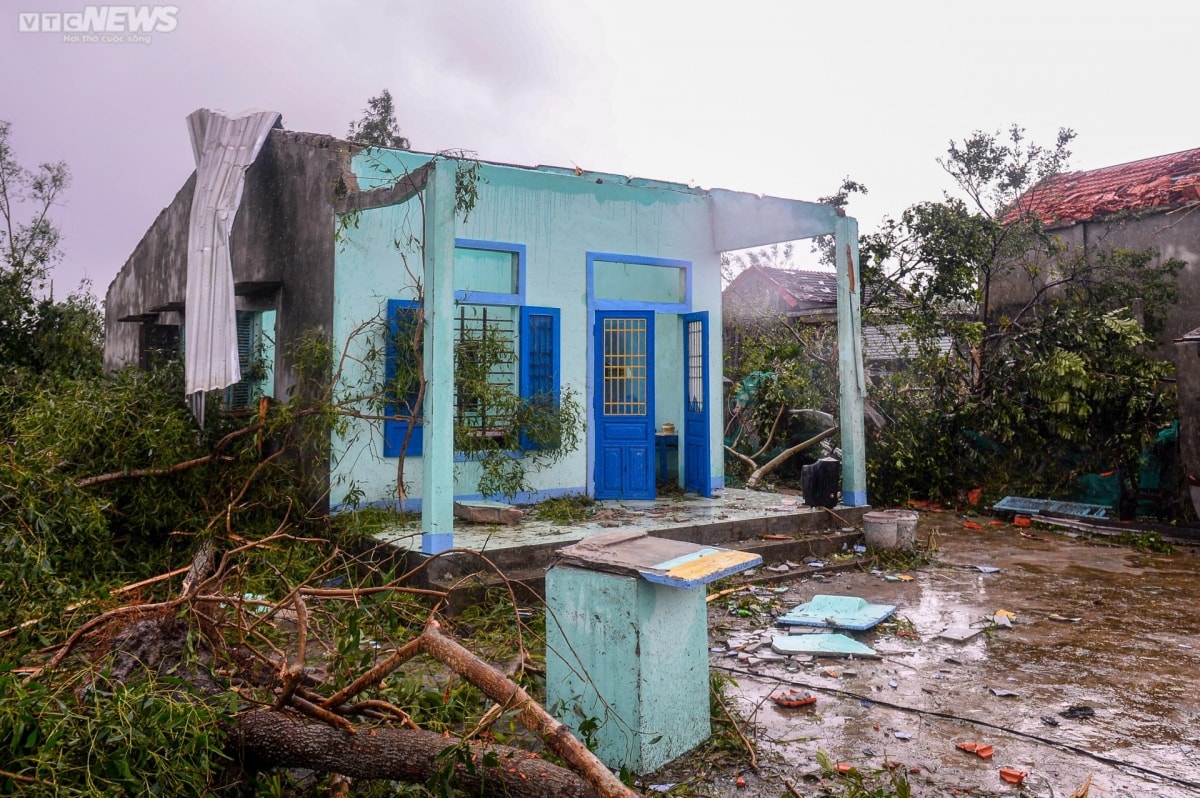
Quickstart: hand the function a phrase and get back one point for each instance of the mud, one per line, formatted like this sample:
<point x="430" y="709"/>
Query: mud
<point x="1132" y="656"/>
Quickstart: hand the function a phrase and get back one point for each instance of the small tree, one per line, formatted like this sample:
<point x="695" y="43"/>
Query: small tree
<point x="991" y="394"/>
<point x="41" y="340"/>
<point x="378" y="126"/>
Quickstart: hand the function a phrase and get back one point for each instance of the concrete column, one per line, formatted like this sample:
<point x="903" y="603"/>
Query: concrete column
<point x="437" y="491"/>
<point x="850" y="365"/>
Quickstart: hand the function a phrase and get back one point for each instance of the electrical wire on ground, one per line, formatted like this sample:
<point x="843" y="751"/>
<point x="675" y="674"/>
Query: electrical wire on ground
<point x="1073" y="749"/>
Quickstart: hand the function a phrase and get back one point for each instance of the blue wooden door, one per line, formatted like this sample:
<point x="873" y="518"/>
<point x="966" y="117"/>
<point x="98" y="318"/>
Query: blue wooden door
<point x="697" y="434"/>
<point x="624" y="405"/>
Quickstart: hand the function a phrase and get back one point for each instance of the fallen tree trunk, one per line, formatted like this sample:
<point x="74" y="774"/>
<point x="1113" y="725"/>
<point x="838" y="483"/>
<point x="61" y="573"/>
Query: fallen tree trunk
<point x="510" y="695"/>
<point x="264" y="739"/>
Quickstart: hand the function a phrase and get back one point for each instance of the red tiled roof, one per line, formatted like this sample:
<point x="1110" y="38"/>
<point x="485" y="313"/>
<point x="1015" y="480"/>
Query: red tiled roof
<point x="1162" y="182"/>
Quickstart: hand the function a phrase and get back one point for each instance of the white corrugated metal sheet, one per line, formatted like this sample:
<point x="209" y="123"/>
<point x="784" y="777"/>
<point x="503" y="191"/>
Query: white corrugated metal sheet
<point x="224" y="148"/>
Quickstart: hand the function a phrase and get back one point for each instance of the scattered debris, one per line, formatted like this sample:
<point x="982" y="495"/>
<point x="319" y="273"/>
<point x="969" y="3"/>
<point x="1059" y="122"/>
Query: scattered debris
<point x="959" y="633"/>
<point x="793" y="698"/>
<point x="837" y="612"/>
<point x="987" y="569"/>
<point x="1063" y="618"/>
<point x="1077" y="712"/>
<point x="979" y="749"/>
<point x="1000" y="692"/>
<point x="821" y="645"/>
<point x="1014" y="776"/>
<point x="1019" y="504"/>
<point x="1049" y="720"/>
<point x="1082" y="790"/>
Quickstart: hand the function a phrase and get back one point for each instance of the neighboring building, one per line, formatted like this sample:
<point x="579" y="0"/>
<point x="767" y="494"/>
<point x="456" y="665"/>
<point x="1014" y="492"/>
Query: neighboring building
<point x="1146" y="204"/>
<point x="761" y="295"/>
<point x="607" y="284"/>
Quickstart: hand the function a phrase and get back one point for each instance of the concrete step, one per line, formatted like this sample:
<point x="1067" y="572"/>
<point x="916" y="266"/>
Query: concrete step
<point x="467" y="585"/>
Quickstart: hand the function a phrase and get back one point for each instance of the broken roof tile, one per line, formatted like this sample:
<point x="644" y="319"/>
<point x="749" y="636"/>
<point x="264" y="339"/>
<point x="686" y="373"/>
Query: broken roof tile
<point x="1162" y="182"/>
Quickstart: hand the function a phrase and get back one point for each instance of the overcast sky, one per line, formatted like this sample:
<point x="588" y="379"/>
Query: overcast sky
<point x="776" y="97"/>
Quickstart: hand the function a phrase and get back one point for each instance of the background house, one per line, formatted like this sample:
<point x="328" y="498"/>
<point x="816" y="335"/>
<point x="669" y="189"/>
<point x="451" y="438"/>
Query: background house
<point x="764" y="295"/>
<point x="607" y="285"/>
<point x="1134" y="206"/>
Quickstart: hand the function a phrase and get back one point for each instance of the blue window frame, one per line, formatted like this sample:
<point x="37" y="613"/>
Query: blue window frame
<point x="502" y="286"/>
<point x="540" y="371"/>
<point x="403" y="320"/>
<point x="539" y="367"/>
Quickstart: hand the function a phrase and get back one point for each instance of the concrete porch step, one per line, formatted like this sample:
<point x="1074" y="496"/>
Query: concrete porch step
<point x="468" y="586"/>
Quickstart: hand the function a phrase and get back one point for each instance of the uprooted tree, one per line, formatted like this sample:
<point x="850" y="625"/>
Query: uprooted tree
<point x="178" y="616"/>
<point x="175" y="620"/>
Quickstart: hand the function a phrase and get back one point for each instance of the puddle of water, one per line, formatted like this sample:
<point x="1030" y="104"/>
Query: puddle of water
<point x="1132" y="656"/>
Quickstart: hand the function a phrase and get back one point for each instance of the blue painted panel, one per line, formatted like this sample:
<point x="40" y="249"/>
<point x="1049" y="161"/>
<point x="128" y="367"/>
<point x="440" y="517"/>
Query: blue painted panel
<point x="401" y="314"/>
<point x="623" y="406"/>
<point x="697" y="460"/>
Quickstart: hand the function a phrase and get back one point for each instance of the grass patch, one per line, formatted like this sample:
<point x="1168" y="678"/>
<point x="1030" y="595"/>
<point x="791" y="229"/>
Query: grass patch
<point x="572" y="509"/>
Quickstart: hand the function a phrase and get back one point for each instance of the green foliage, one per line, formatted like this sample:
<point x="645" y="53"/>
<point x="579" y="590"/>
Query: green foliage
<point x="495" y="423"/>
<point x="884" y="782"/>
<point x="151" y="737"/>
<point x="780" y="369"/>
<point x="565" y="510"/>
<point x="378" y="126"/>
<point x="1025" y="365"/>
<point x="41" y="341"/>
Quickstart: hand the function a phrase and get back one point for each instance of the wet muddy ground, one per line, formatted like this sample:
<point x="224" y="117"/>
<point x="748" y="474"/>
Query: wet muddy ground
<point x="1096" y="625"/>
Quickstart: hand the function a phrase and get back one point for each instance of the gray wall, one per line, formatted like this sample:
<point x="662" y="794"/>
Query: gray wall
<point x="282" y="250"/>
<point x="1173" y="235"/>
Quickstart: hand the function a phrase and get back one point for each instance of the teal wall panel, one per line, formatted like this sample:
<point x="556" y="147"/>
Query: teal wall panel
<point x="632" y="657"/>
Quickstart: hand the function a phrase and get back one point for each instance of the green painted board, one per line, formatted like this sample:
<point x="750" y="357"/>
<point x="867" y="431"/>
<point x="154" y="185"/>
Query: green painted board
<point x="821" y="645"/>
<point x="837" y="612"/>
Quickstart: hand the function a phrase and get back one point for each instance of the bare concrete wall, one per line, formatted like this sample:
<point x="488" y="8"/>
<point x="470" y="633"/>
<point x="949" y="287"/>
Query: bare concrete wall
<point x="1173" y="235"/>
<point x="282" y="251"/>
<point x="282" y="248"/>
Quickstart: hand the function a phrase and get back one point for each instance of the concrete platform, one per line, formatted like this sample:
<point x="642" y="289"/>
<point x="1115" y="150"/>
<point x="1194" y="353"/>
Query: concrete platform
<point x="775" y="525"/>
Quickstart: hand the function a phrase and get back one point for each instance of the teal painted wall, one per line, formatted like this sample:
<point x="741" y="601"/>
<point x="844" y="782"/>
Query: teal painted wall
<point x="633" y="656"/>
<point x="558" y="217"/>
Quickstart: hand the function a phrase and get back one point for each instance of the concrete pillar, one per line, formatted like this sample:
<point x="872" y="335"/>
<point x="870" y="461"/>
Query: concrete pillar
<point x="850" y="365"/>
<point x="437" y="460"/>
<point x="627" y="665"/>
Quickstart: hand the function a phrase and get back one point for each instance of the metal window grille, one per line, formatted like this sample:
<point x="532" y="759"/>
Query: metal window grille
<point x="485" y="339"/>
<point x="695" y="367"/>
<point x="625" y="367"/>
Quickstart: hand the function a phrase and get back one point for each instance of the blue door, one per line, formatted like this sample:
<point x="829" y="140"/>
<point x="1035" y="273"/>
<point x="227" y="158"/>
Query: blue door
<point x="697" y="435"/>
<point x="624" y="405"/>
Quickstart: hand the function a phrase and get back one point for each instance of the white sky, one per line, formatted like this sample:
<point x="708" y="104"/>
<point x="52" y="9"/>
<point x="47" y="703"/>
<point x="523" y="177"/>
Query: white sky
<point x="779" y="97"/>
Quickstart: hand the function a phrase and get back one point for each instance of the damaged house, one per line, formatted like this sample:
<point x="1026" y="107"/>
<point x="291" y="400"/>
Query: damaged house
<point x="602" y="285"/>
<point x="1136" y="206"/>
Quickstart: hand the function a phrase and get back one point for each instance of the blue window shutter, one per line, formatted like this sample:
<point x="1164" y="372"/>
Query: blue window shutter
<point x="539" y="357"/>
<point x="402" y="317"/>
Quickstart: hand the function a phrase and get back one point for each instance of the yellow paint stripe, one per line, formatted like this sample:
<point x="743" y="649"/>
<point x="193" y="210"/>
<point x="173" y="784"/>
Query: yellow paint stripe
<point x="710" y="564"/>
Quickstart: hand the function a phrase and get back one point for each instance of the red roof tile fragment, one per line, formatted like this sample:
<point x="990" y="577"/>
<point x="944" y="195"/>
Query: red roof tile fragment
<point x="1161" y="183"/>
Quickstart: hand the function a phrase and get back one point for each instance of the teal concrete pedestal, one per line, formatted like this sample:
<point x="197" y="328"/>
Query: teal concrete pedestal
<point x="627" y="665"/>
<point x="627" y="644"/>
